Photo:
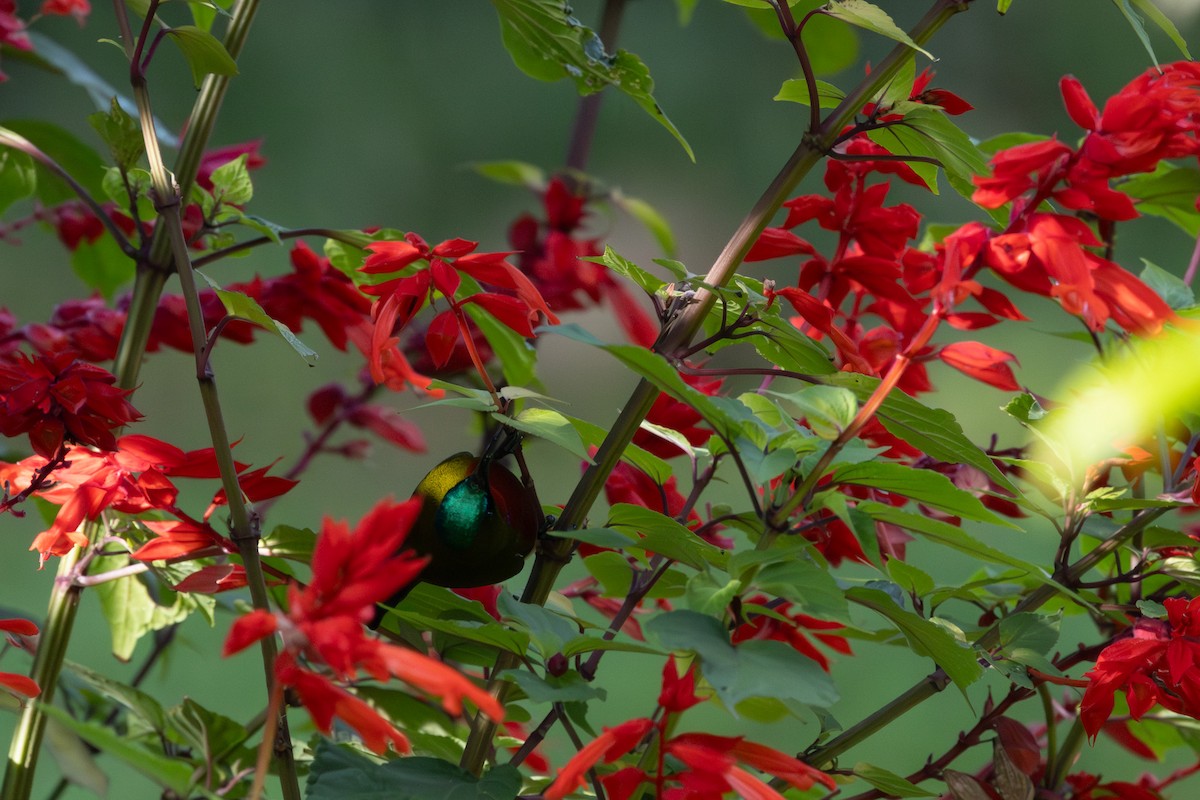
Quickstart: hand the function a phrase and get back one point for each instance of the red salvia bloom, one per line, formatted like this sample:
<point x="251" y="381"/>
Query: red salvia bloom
<point x="317" y="291"/>
<point x="793" y="632"/>
<point x="1158" y="664"/>
<point x="351" y="572"/>
<point x="550" y="252"/>
<point x="59" y="399"/>
<point x="711" y="762"/>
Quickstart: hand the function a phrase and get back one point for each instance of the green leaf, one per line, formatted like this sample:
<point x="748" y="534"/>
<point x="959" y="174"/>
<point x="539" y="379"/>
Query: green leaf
<point x="658" y="470"/>
<point x="245" y="307"/>
<point x="513" y="173"/>
<point x="1037" y="633"/>
<point x="62" y="147"/>
<point x="933" y="431"/>
<point x="564" y="689"/>
<point x="548" y="424"/>
<point x="231" y="182"/>
<point x="207" y="732"/>
<point x="887" y="782"/>
<point x="490" y="633"/>
<point x="1168" y="192"/>
<point x="1135" y="22"/>
<point x="339" y="773"/>
<point x="76" y="760"/>
<point x="646" y="214"/>
<point x="873" y="18"/>
<point x="623" y="266"/>
<point x="548" y="630"/>
<point x="912" y="580"/>
<point x="750" y="670"/>
<point x="828" y="409"/>
<point x="1170" y="288"/>
<point x="1160" y="19"/>
<point x="923" y="485"/>
<point x="927" y="131"/>
<point x="547" y="43"/>
<point x="812" y="589"/>
<point x="665" y="536"/>
<point x="130" y="610"/>
<point x="141" y="705"/>
<point x="795" y="90"/>
<point x="102" y="265"/>
<point x="172" y="773"/>
<point x="924" y="637"/>
<point x="121" y="132"/>
<point x="204" y="52"/>
<point x="18" y="176"/>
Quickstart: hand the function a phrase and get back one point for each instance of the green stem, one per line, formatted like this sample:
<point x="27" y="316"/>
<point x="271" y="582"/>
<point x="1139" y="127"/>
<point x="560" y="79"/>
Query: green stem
<point x="148" y="286"/>
<point x="245" y="533"/>
<point x="681" y="330"/>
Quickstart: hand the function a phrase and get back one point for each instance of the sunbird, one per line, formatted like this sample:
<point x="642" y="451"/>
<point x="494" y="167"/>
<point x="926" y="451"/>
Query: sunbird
<point x="478" y="521"/>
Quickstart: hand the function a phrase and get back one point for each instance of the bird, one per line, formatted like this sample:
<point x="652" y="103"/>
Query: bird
<point x="477" y="524"/>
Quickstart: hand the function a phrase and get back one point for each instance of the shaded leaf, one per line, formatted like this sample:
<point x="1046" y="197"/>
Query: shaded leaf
<point x="339" y="773"/>
<point x="204" y="52"/>
<point x="924" y="637"/>
<point x="245" y="307"/>
<point x="887" y="782"/>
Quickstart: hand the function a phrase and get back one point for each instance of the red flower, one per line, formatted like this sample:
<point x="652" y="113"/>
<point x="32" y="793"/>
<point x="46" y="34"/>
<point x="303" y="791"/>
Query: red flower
<point x="213" y="159"/>
<point x="79" y="9"/>
<point x="711" y="762"/>
<point x="57" y="399"/>
<point x="401" y="298"/>
<point x="761" y="626"/>
<point x="981" y="362"/>
<point x="1158" y="664"/>
<point x="551" y="252"/>
<point x="317" y="291"/>
<point x="10" y="681"/>
<point x="351" y="572"/>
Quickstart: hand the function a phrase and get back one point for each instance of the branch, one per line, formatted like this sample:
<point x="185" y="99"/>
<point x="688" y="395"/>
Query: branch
<point x="680" y="331"/>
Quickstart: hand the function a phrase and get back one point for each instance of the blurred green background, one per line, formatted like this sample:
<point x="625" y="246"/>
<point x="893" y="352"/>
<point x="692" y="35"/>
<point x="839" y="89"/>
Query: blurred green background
<point x="370" y="112"/>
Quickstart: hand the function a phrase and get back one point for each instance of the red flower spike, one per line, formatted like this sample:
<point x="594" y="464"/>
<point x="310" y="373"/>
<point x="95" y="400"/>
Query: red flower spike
<point x="79" y="9"/>
<point x="19" y="684"/>
<point x="351" y="572"/>
<point x="510" y="311"/>
<point x="1158" y="664"/>
<point x="58" y="398"/>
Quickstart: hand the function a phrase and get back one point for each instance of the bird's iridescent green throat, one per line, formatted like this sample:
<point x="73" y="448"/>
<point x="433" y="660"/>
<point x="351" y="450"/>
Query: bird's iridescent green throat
<point x="462" y="512"/>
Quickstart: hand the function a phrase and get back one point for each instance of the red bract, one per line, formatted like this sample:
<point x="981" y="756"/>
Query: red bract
<point x="133" y="478"/>
<point x="212" y="159"/>
<point x="79" y="9"/>
<point x="762" y="626"/>
<point x="11" y="682"/>
<point x="351" y="572"/>
<point x="1154" y="117"/>
<point x="59" y="399"/>
<point x="1158" y="664"/>
<point x="317" y="291"/>
<point x="518" y="306"/>
<point x="550" y="252"/>
<point x="981" y="362"/>
<point x="711" y="762"/>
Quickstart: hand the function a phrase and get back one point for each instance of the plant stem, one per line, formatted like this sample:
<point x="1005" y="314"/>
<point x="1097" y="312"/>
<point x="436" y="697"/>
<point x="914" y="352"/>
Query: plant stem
<point x="678" y="332"/>
<point x="245" y="529"/>
<point x="589" y="107"/>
